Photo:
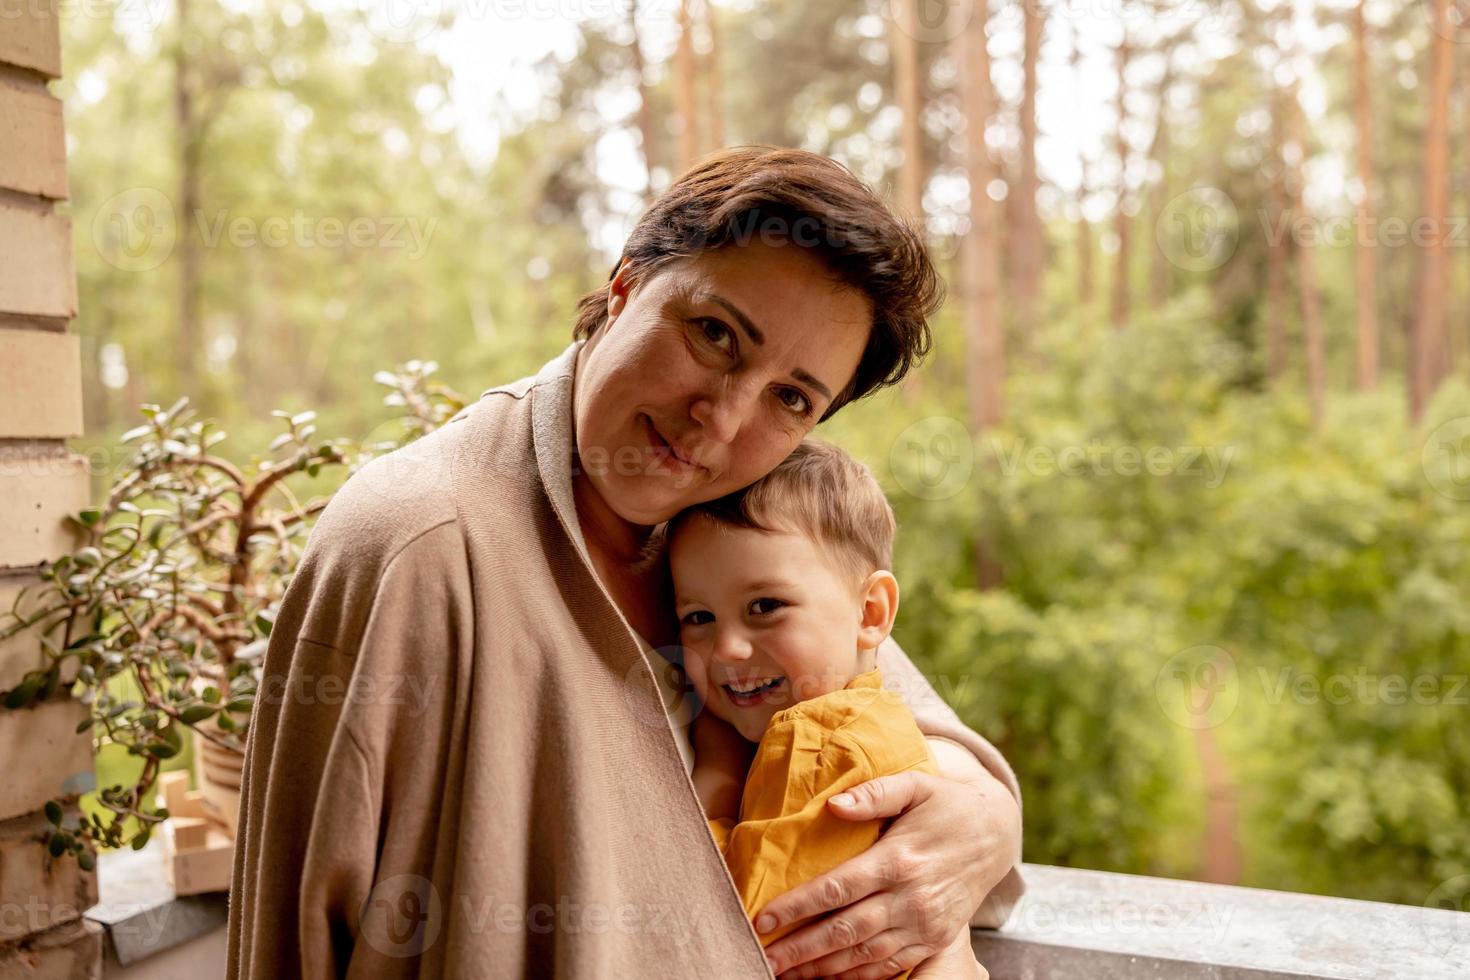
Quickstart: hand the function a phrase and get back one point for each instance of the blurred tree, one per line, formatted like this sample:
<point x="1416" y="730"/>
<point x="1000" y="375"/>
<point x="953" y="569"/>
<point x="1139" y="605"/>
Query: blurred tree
<point x="1122" y="224"/>
<point x="1365" y="254"/>
<point x="1428" y="343"/>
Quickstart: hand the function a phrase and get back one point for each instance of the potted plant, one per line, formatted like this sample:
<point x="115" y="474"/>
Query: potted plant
<point x="159" y="620"/>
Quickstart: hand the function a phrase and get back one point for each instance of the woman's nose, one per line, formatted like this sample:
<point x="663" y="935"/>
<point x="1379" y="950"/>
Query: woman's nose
<point x="722" y="411"/>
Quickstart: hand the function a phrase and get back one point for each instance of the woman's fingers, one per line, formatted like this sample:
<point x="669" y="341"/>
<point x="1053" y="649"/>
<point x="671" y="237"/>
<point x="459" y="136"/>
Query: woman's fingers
<point x="848" y="927"/>
<point x="873" y="950"/>
<point x="886" y="796"/>
<point x="904" y="959"/>
<point x="850" y="882"/>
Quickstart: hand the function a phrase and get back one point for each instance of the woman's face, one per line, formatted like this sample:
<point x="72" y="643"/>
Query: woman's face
<point x="708" y="374"/>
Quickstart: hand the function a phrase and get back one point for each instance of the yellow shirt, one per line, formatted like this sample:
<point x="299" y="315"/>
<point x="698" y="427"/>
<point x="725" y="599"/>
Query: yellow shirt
<point x="809" y="753"/>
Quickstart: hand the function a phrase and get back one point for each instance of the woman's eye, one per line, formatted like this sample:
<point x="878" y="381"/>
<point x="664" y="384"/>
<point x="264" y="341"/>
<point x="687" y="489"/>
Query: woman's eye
<point x="762" y="607"/>
<point x="716" y="333"/>
<point x="794" y="400"/>
<point x="697" y="618"/>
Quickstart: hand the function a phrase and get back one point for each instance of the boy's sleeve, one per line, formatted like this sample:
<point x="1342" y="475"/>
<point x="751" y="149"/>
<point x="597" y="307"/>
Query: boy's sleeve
<point x="787" y="836"/>
<point x="937" y="720"/>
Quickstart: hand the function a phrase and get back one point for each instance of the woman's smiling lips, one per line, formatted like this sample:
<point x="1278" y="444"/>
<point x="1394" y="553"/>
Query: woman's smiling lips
<point x="678" y="461"/>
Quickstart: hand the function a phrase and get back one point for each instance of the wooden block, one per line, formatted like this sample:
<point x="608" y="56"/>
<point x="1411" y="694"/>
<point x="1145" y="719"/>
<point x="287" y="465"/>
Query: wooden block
<point x="40" y="384"/>
<point x="205" y="869"/>
<point x="37" y="493"/>
<point x="31" y="37"/>
<point x="172" y="786"/>
<point x="69" y="952"/>
<point x="56" y="758"/>
<point x="37" y="277"/>
<point x="39" y="891"/>
<point x="22" y="652"/>
<point x="31" y="127"/>
<point x="190" y="833"/>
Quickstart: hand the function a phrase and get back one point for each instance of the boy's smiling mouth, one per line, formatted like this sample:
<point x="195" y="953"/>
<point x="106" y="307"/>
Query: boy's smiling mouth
<point x="751" y="693"/>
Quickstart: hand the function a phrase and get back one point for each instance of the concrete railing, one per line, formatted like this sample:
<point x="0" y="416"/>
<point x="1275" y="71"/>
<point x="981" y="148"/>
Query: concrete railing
<point x="1092" y="925"/>
<point x="1072" y="925"/>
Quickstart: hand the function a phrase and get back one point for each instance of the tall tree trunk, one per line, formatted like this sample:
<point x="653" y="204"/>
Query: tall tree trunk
<point x="1158" y="153"/>
<point x="714" y="91"/>
<point x="645" y="116"/>
<point x="1027" y="238"/>
<point x="1086" y="276"/>
<point x="1365" y="258"/>
<point x="980" y="258"/>
<point x="980" y="254"/>
<point x="1277" y="253"/>
<point x="1427" y="341"/>
<point x="1122" y="300"/>
<point x="904" y="43"/>
<point x="189" y="139"/>
<point x="685" y="100"/>
<point x="1306" y="270"/>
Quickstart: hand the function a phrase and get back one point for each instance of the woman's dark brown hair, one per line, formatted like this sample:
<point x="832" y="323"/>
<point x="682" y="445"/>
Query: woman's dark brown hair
<point x="781" y="196"/>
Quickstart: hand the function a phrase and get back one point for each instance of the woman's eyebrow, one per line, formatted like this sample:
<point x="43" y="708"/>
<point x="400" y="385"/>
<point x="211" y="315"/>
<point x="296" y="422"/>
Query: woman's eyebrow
<point x="758" y="338"/>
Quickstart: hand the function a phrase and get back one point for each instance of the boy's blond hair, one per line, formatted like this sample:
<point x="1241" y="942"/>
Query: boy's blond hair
<point x="819" y="491"/>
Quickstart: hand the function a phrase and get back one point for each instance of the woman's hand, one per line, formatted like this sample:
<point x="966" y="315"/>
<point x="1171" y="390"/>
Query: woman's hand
<point x="904" y="899"/>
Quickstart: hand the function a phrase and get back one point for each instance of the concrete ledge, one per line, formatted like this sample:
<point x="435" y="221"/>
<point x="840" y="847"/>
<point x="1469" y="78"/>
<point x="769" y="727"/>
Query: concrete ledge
<point x="142" y="916"/>
<point x="1091" y="925"/>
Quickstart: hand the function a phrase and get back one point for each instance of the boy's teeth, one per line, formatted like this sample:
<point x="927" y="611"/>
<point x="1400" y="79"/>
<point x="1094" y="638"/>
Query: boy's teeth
<point x="750" y="688"/>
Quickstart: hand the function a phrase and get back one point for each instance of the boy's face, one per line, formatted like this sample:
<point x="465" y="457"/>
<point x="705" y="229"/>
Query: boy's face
<point x="767" y="613"/>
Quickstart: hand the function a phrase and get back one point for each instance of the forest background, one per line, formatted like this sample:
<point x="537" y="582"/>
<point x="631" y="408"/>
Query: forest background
<point x="1184" y="489"/>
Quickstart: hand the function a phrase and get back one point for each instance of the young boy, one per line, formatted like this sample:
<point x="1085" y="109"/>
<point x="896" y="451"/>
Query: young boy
<point x="784" y="594"/>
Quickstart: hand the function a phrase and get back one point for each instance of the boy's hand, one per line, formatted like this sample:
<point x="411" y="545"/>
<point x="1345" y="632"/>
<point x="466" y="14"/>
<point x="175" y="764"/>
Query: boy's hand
<point x="722" y="758"/>
<point x="955" y="962"/>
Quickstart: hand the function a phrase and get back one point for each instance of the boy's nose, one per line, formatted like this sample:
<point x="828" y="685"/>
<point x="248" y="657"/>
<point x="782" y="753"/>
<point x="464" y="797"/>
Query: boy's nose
<point x="732" y="647"/>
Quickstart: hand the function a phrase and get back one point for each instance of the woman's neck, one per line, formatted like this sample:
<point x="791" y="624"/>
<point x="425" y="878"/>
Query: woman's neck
<point x="608" y="534"/>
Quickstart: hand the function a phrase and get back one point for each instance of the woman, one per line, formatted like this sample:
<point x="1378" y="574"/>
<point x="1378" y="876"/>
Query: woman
<point x="470" y="748"/>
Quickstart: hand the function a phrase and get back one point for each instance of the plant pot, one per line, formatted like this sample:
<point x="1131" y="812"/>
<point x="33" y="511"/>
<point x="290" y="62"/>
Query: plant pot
<point x="217" y="773"/>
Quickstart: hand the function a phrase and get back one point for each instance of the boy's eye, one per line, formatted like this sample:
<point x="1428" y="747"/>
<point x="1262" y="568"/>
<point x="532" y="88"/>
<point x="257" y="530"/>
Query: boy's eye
<point x="762" y="607"/>
<point x="697" y="618"/>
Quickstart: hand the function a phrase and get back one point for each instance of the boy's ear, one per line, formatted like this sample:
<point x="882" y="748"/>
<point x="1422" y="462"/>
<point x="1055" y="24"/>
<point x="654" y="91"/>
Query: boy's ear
<point x="879" y="596"/>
